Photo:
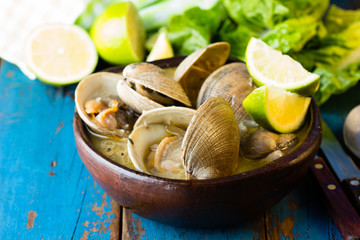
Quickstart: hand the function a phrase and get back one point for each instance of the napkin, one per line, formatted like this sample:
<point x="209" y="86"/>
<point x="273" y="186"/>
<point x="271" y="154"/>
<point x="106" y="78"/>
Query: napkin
<point x="19" y="17"/>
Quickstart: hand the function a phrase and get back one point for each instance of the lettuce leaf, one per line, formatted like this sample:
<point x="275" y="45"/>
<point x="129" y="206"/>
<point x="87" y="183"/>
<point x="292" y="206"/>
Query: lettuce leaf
<point x="238" y="37"/>
<point x="336" y="57"/>
<point x="300" y="8"/>
<point x="292" y="34"/>
<point x="256" y="14"/>
<point x="339" y="19"/>
<point x="195" y="28"/>
<point x="286" y="25"/>
<point x="333" y="81"/>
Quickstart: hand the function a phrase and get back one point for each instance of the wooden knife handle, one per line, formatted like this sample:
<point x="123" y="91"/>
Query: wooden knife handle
<point x="352" y="188"/>
<point x="341" y="211"/>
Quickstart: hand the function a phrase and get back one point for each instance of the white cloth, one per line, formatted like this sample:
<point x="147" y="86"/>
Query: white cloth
<point x="19" y="17"/>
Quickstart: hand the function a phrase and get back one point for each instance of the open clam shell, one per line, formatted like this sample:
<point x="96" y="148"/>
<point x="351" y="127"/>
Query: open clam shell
<point x="151" y="128"/>
<point x="97" y="85"/>
<point x="211" y="143"/>
<point x="195" y="68"/>
<point x="178" y="116"/>
<point x="148" y="86"/>
<point x="133" y="99"/>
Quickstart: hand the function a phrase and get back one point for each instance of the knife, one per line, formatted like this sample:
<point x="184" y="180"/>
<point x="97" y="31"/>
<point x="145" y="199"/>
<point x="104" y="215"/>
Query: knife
<point x="340" y="209"/>
<point x="343" y="166"/>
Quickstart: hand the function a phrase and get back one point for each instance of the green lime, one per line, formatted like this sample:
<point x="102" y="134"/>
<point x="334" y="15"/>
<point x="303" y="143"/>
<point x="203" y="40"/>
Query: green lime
<point x="119" y="34"/>
<point x="276" y="109"/>
<point x="268" y="66"/>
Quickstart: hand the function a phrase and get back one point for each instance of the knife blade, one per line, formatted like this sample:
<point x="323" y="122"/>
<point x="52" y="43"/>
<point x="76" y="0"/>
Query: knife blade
<point x="343" y="166"/>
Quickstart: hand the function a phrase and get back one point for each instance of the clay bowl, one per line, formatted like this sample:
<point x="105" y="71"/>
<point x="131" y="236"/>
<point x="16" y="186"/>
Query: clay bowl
<point x="200" y="203"/>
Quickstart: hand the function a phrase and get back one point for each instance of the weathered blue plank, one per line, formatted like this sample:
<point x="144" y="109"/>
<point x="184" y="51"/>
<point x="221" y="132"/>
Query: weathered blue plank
<point x="46" y="191"/>
<point x="136" y="227"/>
<point x="300" y="215"/>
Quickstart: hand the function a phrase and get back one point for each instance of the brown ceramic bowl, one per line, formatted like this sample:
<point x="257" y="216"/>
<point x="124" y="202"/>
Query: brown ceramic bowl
<point x="200" y="203"/>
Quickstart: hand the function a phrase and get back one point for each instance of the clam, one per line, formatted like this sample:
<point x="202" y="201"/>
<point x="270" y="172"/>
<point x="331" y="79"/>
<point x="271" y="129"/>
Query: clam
<point x="211" y="144"/>
<point x="99" y="106"/>
<point x="262" y="143"/>
<point x="177" y="116"/>
<point x="154" y="145"/>
<point x="195" y="68"/>
<point x="232" y="82"/>
<point x="179" y="142"/>
<point x="147" y="86"/>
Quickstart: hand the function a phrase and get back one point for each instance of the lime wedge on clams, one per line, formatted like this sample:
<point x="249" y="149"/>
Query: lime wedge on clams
<point x="276" y="109"/>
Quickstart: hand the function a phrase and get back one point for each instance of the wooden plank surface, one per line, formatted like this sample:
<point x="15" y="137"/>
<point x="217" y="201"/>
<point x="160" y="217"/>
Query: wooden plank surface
<point x="46" y="192"/>
<point x="300" y="215"/>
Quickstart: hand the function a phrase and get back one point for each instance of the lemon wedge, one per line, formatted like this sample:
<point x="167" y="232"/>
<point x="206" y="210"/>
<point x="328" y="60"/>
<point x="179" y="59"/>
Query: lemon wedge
<point x="268" y="66"/>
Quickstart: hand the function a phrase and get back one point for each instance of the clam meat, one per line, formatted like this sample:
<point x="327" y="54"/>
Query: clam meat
<point x="154" y="145"/>
<point x="100" y="108"/>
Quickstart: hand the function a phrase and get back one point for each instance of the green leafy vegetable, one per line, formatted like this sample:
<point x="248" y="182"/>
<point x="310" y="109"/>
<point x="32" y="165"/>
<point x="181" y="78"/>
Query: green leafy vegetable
<point x="336" y="81"/>
<point x="194" y="29"/>
<point x="292" y="34"/>
<point x="301" y="8"/>
<point x="283" y="24"/>
<point x="257" y="14"/>
<point x="339" y="19"/>
<point x="335" y="57"/>
<point x="238" y="37"/>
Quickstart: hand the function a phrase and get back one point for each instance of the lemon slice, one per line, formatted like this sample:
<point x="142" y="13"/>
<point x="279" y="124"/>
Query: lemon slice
<point x="268" y="66"/>
<point x="60" y="54"/>
<point x="162" y="49"/>
<point x="276" y="109"/>
<point x="119" y="34"/>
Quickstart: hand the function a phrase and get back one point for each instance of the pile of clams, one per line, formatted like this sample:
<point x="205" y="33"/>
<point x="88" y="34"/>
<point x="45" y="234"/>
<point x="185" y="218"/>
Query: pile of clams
<point x="186" y="125"/>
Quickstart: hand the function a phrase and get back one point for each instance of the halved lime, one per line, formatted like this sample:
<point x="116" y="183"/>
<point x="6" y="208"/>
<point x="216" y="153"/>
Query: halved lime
<point x="60" y="54"/>
<point x="161" y="49"/>
<point x="268" y="66"/>
<point x="119" y="34"/>
<point x="276" y="109"/>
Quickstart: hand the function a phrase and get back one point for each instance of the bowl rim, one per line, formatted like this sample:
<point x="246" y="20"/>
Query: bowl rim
<point x="311" y="138"/>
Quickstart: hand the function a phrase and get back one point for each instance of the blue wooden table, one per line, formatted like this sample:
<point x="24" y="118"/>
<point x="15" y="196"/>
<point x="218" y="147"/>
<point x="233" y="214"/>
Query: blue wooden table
<point x="47" y="193"/>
